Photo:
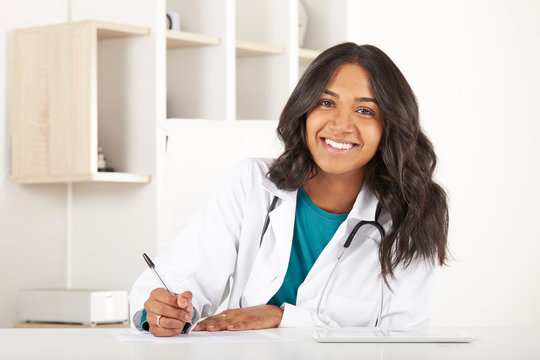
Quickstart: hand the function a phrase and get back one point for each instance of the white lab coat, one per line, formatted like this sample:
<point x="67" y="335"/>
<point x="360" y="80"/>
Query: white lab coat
<point x="222" y="243"/>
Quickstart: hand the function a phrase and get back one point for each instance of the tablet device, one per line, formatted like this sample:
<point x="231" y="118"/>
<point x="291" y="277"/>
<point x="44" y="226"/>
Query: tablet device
<point x="379" y="335"/>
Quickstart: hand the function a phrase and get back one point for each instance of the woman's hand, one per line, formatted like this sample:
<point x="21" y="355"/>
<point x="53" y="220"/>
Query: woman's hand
<point x="175" y="311"/>
<point x="251" y="318"/>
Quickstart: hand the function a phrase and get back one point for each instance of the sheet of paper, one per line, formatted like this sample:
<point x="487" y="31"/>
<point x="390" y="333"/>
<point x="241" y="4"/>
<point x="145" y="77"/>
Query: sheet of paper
<point x="202" y="336"/>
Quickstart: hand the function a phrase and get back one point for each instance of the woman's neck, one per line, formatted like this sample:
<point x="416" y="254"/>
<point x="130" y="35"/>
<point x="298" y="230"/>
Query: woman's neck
<point x="335" y="194"/>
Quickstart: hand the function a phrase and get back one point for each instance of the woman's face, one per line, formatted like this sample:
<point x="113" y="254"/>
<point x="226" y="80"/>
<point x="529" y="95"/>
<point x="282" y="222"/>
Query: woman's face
<point x="344" y="129"/>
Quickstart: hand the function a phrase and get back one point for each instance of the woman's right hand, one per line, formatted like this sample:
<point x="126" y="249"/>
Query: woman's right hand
<point x="175" y="311"/>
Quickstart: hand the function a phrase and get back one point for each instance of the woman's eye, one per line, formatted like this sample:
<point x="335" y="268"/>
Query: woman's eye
<point x="326" y="103"/>
<point x="365" y="111"/>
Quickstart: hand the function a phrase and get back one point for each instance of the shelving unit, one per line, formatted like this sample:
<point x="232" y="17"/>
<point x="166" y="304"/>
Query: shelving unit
<point x="55" y="110"/>
<point x="99" y="83"/>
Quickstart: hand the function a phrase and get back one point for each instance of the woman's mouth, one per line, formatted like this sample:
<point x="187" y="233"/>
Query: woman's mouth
<point x="338" y="146"/>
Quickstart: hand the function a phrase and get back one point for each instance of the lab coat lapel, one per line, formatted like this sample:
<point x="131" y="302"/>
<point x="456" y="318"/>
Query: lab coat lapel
<point x="273" y="256"/>
<point x="365" y="205"/>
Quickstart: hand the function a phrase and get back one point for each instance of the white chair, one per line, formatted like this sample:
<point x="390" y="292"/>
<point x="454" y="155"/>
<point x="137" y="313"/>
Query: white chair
<point x="199" y="154"/>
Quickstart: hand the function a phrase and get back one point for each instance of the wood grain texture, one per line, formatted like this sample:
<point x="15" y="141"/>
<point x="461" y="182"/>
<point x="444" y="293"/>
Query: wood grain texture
<point x="53" y="79"/>
<point x="54" y="110"/>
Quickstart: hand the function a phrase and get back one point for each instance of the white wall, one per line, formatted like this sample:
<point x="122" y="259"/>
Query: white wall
<point x="97" y="242"/>
<point x="474" y="66"/>
<point x="113" y="224"/>
<point x="32" y="218"/>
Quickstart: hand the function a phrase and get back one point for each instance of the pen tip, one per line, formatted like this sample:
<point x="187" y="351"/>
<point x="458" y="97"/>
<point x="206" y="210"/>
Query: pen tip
<point x="148" y="261"/>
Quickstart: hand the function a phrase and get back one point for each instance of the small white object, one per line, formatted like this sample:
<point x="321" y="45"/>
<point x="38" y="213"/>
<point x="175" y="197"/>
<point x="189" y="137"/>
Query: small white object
<point x="101" y="163"/>
<point x="158" y="317"/>
<point x="173" y="20"/>
<point x="87" y="307"/>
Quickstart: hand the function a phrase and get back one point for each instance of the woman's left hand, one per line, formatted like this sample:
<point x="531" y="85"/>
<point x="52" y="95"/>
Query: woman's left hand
<point x="251" y="318"/>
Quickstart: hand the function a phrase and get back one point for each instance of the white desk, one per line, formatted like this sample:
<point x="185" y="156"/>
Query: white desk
<point x="59" y="344"/>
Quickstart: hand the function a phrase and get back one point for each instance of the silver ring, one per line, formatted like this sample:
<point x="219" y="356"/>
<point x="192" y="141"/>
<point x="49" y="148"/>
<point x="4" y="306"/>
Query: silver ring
<point x="157" y="320"/>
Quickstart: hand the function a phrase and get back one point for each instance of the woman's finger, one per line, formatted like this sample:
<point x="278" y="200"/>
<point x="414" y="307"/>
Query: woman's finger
<point x="242" y="325"/>
<point x="161" y="331"/>
<point x="159" y="308"/>
<point x="163" y="296"/>
<point x="216" y="322"/>
<point x="164" y="321"/>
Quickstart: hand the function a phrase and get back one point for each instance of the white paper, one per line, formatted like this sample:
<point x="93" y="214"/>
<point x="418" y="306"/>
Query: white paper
<point x="201" y="337"/>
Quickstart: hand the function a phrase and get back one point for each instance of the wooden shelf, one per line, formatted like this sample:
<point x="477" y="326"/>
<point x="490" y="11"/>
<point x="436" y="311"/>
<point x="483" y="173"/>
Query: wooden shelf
<point x="60" y="144"/>
<point x="91" y="177"/>
<point x="105" y="30"/>
<point x="249" y="48"/>
<point x="305" y="56"/>
<point x="183" y="39"/>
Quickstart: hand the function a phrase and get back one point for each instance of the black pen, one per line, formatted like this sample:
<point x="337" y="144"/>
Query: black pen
<point x="153" y="268"/>
<point x="187" y="325"/>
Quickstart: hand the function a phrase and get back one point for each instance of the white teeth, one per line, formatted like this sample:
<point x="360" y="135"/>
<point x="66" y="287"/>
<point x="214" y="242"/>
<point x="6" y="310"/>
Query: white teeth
<point x="337" y="145"/>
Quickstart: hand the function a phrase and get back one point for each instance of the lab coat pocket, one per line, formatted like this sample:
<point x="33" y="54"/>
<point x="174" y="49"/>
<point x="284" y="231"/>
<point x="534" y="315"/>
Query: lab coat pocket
<point x="350" y="312"/>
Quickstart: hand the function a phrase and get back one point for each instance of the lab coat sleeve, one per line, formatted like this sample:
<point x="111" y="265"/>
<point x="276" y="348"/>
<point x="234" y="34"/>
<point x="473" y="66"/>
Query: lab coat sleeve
<point x="202" y="258"/>
<point x="409" y="302"/>
<point x="295" y="316"/>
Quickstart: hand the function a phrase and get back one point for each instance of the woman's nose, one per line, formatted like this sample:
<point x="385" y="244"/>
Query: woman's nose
<point x="341" y="121"/>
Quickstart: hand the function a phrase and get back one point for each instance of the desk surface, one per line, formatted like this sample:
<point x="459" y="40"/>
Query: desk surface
<point x="59" y="344"/>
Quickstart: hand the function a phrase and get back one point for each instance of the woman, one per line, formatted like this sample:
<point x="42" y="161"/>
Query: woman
<point x="344" y="228"/>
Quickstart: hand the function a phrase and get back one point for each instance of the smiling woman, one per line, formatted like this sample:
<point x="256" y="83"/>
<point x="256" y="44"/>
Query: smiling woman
<point x="343" y="132"/>
<point x="377" y="106"/>
<point x="345" y="228"/>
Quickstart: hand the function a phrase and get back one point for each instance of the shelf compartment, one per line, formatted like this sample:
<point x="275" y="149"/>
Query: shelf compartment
<point x="250" y="48"/>
<point x="183" y="39"/>
<point x="54" y="87"/>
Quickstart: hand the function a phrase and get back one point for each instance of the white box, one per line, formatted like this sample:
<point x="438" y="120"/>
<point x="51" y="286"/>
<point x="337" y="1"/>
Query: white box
<point x="88" y="307"/>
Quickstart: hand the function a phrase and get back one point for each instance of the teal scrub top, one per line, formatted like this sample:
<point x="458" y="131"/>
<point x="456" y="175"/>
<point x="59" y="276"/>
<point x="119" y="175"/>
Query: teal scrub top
<point x="313" y="230"/>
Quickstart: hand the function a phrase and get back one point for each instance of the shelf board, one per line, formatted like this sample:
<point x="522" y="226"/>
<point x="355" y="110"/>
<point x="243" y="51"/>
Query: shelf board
<point x="183" y="39"/>
<point x="249" y="48"/>
<point x="117" y="177"/>
<point x="105" y="30"/>
<point x="305" y="56"/>
<point x="108" y="30"/>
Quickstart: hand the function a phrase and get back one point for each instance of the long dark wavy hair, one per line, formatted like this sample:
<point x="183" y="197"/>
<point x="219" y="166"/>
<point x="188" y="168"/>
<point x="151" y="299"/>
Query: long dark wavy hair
<point x="400" y="173"/>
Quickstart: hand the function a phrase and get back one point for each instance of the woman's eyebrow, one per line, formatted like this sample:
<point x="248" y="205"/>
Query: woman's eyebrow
<point x="331" y="93"/>
<point x="364" y="99"/>
<point x="359" y="99"/>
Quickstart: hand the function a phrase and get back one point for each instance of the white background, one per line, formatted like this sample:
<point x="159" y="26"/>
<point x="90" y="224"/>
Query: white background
<point x="475" y="68"/>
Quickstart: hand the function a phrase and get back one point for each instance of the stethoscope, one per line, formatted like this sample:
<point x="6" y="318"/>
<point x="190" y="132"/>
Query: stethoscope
<point x="346" y="245"/>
